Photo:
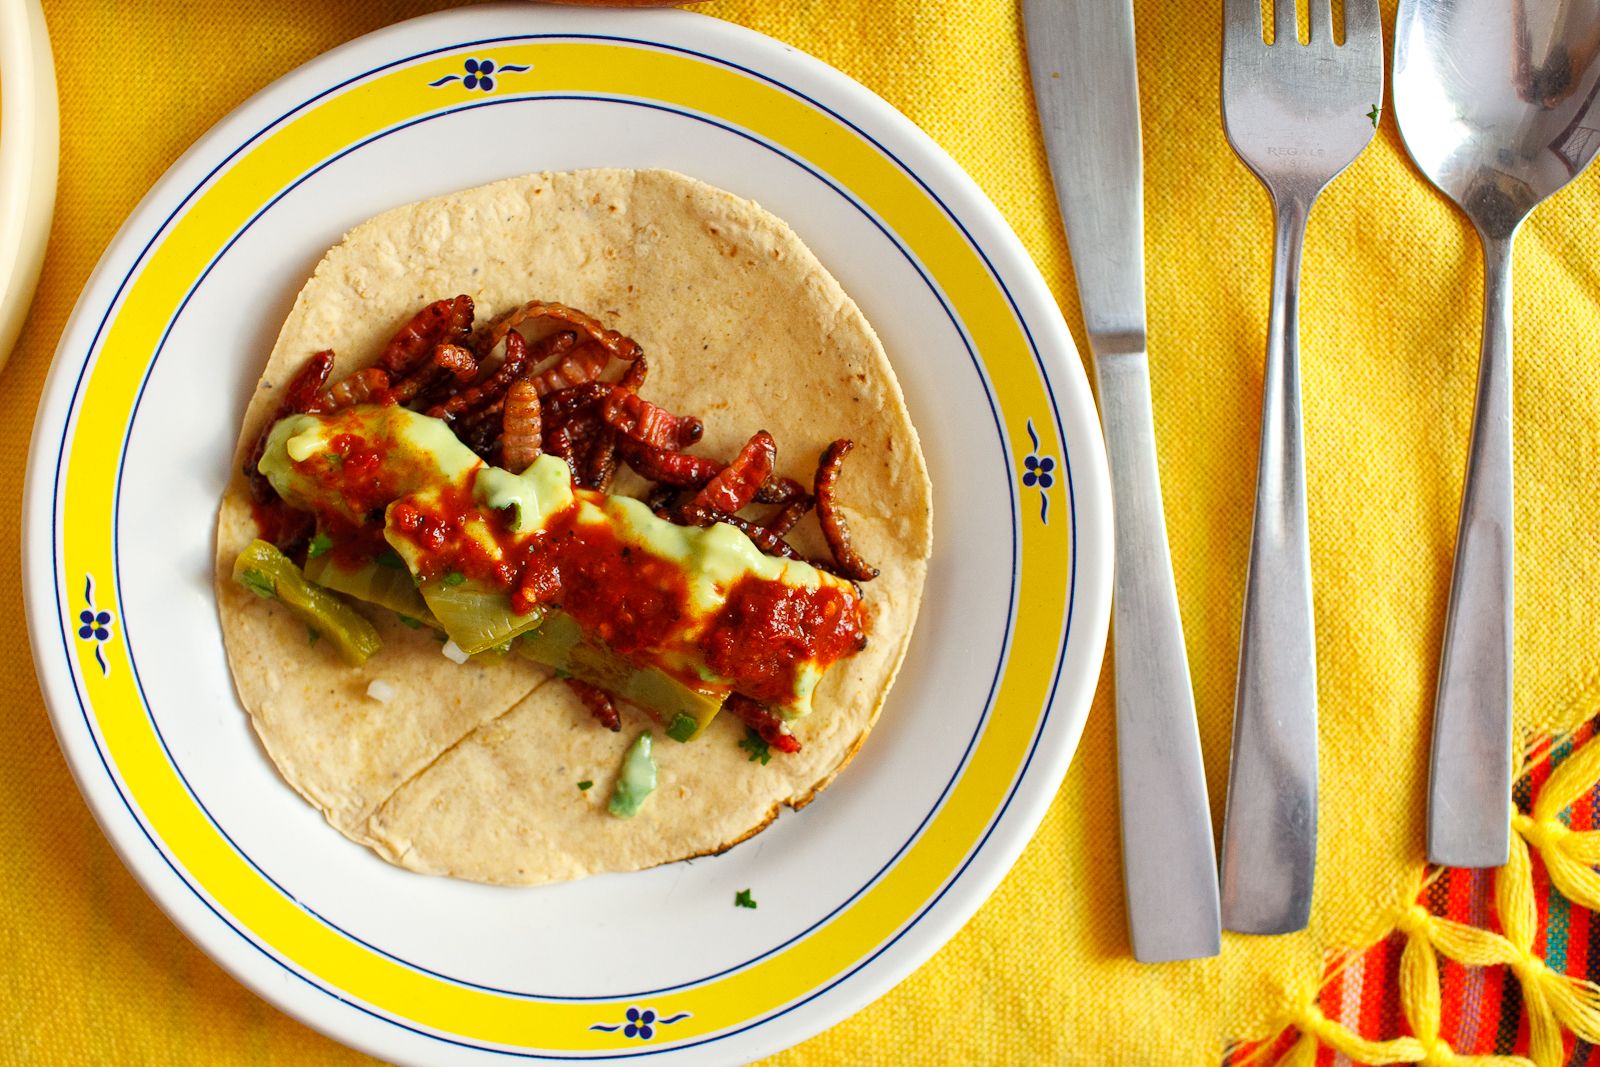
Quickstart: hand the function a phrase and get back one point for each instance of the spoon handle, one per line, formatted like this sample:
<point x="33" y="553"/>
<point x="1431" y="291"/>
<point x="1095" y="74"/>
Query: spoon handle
<point x="1469" y="788"/>
<point x="1269" y="835"/>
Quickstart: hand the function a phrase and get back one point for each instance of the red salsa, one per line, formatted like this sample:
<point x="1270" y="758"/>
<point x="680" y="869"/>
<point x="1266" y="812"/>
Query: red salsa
<point x="766" y="629"/>
<point x="634" y="600"/>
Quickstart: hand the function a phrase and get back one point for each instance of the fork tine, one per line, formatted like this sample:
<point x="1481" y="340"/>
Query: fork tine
<point x="1286" y="28"/>
<point x="1363" y="26"/>
<point x="1321" y="23"/>
<point x="1241" y="24"/>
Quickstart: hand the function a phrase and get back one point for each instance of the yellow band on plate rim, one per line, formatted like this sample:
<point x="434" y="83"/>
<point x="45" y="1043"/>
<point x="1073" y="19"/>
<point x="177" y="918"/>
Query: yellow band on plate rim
<point x="437" y="84"/>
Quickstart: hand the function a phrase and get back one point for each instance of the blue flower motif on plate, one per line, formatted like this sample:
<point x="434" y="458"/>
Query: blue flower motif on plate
<point x="1039" y="472"/>
<point x="481" y="74"/>
<point x="642" y="1023"/>
<point x="96" y="624"/>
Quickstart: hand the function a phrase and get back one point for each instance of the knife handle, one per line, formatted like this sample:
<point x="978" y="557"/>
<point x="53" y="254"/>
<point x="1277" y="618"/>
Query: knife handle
<point x="1269" y="834"/>
<point x="1168" y="862"/>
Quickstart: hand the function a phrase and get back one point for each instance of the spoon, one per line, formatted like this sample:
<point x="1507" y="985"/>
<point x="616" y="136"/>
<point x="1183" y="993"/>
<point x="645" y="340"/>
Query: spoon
<point x="1497" y="103"/>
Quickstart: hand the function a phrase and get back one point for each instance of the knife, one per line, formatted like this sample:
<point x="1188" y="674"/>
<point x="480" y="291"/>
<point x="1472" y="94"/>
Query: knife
<point x="1087" y="88"/>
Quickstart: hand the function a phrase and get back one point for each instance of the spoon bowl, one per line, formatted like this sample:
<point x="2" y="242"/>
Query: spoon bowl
<point x="1497" y="100"/>
<point x="1497" y="104"/>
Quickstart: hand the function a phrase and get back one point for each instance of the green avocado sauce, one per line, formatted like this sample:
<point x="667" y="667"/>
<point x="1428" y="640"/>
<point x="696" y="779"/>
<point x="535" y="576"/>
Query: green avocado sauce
<point x="637" y="780"/>
<point x="421" y="462"/>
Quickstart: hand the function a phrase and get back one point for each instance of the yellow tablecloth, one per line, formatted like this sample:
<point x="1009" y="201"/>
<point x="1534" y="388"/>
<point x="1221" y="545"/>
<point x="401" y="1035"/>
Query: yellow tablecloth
<point x="93" y="973"/>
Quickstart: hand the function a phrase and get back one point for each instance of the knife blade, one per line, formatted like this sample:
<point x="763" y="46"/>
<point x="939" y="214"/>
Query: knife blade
<point x="1086" y="86"/>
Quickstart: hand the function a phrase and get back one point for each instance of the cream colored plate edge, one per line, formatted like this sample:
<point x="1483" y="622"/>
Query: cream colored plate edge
<point x="30" y="139"/>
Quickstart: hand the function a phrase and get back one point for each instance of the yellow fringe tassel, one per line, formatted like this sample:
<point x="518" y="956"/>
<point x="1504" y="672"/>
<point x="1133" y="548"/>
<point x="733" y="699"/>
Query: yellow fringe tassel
<point x="1551" y="1000"/>
<point x="1568" y="854"/>
<point x="1572" y="1000"/>
<point x="1317" y="1028"/>
<point x="1419" y="996"/>
<point x="1568" y="782"/>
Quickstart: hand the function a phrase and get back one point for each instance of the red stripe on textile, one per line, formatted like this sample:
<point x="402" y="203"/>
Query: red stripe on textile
<point x="1388" y="1021"/>
<point x="1502" y="1006"/>
<point x="1579" y="925"/>
<point x="1335" y="987"/>
<point x="1541" y="903"/>
<point x="1347" y="999"/>
<point x="1278" y="1046"/>
<point x="1513" y="1020"/>
<point x="1461" y="1014"/>
<point x="1341" y="983"/>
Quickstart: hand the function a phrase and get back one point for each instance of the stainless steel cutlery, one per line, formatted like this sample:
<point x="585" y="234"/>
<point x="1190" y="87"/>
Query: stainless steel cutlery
<point x="1497" y="102"/>
<point x="1296" y="114"/>
<point x="1087" y="88"/>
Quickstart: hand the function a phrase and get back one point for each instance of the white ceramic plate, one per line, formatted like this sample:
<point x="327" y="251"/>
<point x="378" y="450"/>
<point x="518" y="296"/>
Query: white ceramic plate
<point x="29" y="139"/>
<point x="131" y="454"/>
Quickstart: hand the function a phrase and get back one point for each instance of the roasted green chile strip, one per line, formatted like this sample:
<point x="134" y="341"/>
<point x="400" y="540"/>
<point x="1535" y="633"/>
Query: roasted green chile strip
<point x="265" y="571"/>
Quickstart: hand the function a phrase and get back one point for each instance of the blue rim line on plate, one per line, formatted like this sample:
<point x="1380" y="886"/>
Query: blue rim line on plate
<point x="525" y="98"/>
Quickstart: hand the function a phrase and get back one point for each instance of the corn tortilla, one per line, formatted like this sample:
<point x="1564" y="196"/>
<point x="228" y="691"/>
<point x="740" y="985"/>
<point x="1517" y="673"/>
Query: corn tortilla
<point x="471" y="771"/>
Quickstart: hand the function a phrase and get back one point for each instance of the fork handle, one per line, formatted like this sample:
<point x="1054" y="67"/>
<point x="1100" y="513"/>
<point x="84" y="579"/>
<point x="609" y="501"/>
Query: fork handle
<point x="1269" y="837"/>
<point x="1469" y="788"/>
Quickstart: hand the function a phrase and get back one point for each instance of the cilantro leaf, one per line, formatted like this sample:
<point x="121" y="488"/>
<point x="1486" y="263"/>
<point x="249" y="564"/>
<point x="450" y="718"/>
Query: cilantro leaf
<point x="756" y="745"/>
<point x="683" y="726"/>
<point x="259" y="583"/>
<point x="585" y="785"/>
<point x="390" y="559"/>
<point x="743" y="899"/>
<point x="319" y="544"/>
<point x="314" y="635"/>
<point x="454" y="578"/>
<point x="415" y="624"/>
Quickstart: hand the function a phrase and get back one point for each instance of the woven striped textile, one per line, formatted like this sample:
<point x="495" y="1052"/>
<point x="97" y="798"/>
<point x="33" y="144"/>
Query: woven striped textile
<point x="1482" y="1010"/>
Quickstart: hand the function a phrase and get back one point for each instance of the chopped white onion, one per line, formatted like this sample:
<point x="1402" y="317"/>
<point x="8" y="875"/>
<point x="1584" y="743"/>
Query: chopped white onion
<point x="382" y="691"/>
<point x="453" y="650"/>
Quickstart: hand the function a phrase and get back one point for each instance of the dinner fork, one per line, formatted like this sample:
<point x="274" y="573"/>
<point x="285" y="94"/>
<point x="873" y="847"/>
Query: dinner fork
<point x="1296" y="114"/>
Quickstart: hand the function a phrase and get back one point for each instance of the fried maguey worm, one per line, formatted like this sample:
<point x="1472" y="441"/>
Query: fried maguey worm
<point x="624" y="348"/>
<point x="764" y="539"/>
<point x="762" y="721"/>
<point x="633" y="416"/>
<point x="736" y="484"/>
<point x="521" y="436"/>
<point x="833" y="525"/>
<point x="519" y="357"/>
<point x="598" y="701"/>
<point x="441" y="322"/>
